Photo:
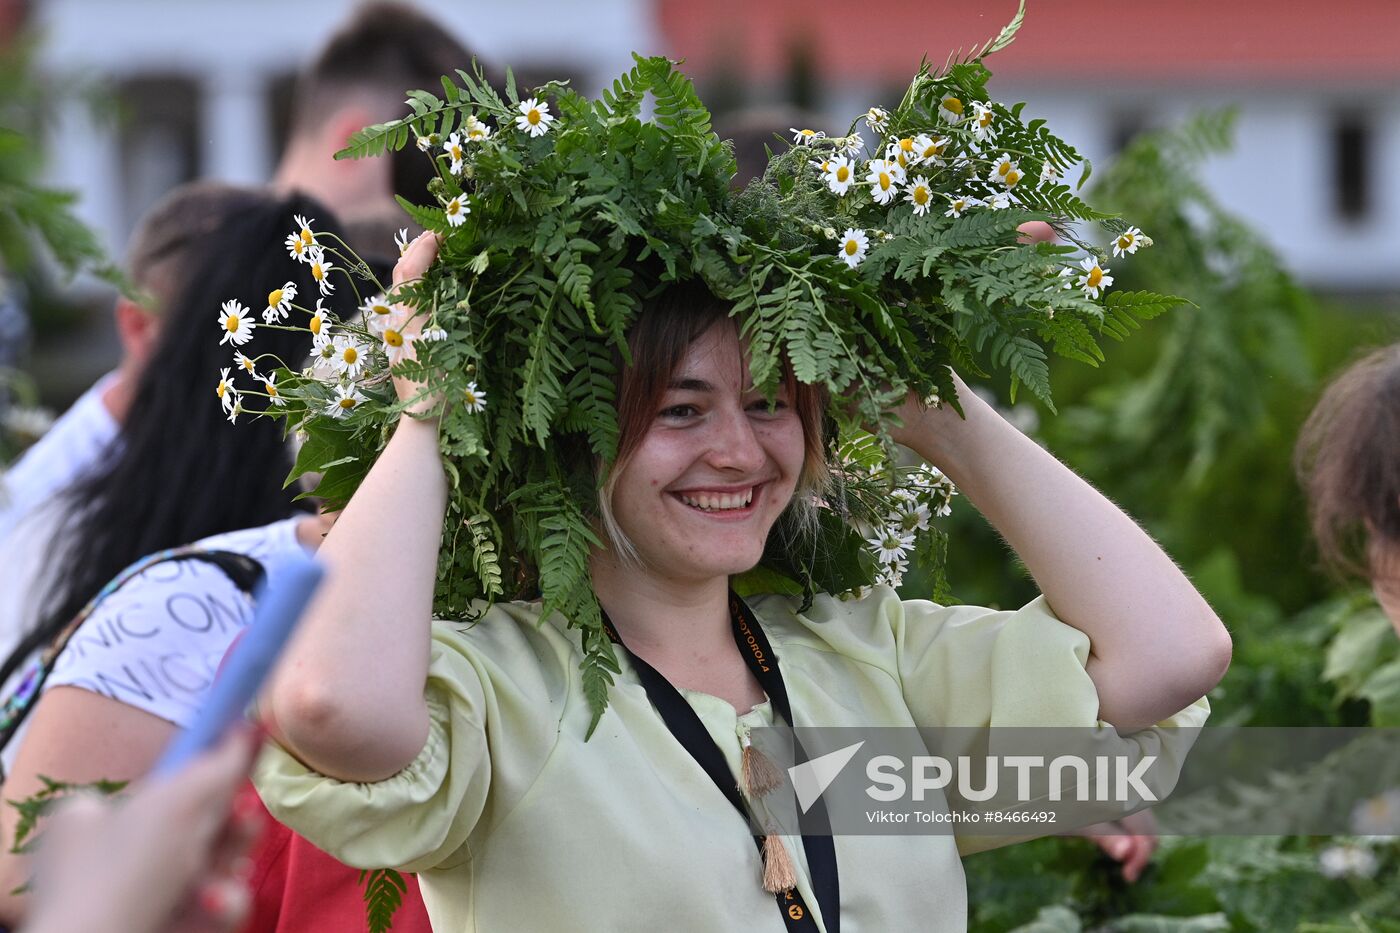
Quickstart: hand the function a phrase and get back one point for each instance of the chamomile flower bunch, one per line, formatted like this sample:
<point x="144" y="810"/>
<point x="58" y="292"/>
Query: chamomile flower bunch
<point x="867" y="264"/>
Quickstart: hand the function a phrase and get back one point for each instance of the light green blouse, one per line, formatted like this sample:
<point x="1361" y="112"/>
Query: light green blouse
<point x="514" y="823"/>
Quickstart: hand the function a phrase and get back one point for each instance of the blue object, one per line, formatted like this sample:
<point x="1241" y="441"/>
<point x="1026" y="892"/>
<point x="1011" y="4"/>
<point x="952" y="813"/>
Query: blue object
<point x="279" y="606"/>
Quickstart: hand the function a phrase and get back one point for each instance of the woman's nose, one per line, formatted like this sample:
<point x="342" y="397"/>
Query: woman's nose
<point x="735" y="444"/>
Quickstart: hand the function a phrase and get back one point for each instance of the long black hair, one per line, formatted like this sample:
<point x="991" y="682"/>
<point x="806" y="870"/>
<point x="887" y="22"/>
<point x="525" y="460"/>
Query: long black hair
<point x="179" y="470"/>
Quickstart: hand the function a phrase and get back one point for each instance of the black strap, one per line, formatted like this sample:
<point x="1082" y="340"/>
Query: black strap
<point x="245" y="572"/>
<point x="686" y="726"/>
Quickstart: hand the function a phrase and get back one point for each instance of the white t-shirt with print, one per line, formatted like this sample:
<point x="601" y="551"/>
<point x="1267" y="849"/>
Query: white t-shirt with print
<point x="156" y="643"/>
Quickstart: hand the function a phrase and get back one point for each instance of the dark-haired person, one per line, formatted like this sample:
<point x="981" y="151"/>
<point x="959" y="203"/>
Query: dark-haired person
<point x="1348" y="461"/>
<point x="360" y="77"/>
<point x="179" y="472"/>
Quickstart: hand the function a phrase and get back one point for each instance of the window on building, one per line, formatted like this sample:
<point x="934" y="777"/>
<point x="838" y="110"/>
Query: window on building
<point x="1351" y="166"/>
<point x="159" y="138"/>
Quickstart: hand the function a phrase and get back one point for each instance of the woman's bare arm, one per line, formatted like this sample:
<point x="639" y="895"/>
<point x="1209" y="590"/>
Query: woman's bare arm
<point x="1156" y="644"/>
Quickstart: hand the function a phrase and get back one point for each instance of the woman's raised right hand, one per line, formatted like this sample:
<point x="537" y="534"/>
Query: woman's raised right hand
<point x="411" y="266"/>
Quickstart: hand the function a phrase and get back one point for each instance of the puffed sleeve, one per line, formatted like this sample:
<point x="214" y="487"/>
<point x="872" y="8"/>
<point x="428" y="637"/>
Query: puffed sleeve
<point x="1008" y="677"/>
<point x="493" y="720"/>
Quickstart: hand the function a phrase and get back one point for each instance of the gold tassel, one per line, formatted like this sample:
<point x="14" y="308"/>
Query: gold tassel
<point x="778" y="873"/>
<point x="760" y="775"/>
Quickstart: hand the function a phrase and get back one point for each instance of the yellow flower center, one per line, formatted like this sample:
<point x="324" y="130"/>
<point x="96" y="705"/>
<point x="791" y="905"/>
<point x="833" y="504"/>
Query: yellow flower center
<point x="274" y="298"/>
<point x="247" y="364"/>
<point x="906" y="145"/>
<point x="921" y="195"/>
<point x="1126" y="240"/>
<point x="985" y="119"/>
<point x="1003" y="168"/>
<point x="350" y="355"/>
<point x="314" y="325"/>
<point x="231" y="323"/>
<point x="1011" y="178"/>
<point x="809" y="133"/>
<point x="380" y="309"/>
<point x="318" y="272"/>
<point x="299" y="247"/>
<point x="347" y="403"/>
<point x="852" y="247"/>
<point x="533" y="117"/>
<point x="220" y="389"/>
<point x="885" y="181"/>
<point x="842" y="174"/>
<point x="306" y="238"/>
<point x="393" y="338"/>
<point x="953" y="105"/>
<point x="452" y="207"/>
<point x="271" y="389"/>
<point x="1095" y="277"/>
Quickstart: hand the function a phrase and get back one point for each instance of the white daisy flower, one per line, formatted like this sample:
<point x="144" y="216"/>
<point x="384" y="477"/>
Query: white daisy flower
<point x="534" y="118"/>
<point x="457" y="211"/>
<point x="960" y="204"/>
<point x="237" y="324"/>
<point x="424" y="143"/>
<point x="235" y="407"/>
<point x="1378" y="816"/>
<point x="930" y="148"/>
<point x="1005" y="172"/>
<point x="1095" y="278"/>
<point x="840" y="175"/>
<point x="270" y="387"/>
<point x="345" y="400"/>
<point x="951" y="108"/>
<point x="297" y="247"/>
<point x="1048" y="173"/>
<point x="225" y="390"/>
<point x="982" y="117"/>
<point x="433" y="334"/>
<point x="999" y="201"/>
<point x="245" y="363"/>
<point x="304" y="228"/>
<point x="401" y="240"/>
<point x="877" y="119"/>
<point x="476" y="130"/>
<point x="1128" y="242"/>
<point x="912" y="516"/>
<point x="852" y="145"/>
<point x="393" y="343"/>
<point x="349" y="356"/>
<point x="1347" y="860"/>
<point x="892" y="573"/>
<point x="321" y="270"/>
<point x="891" y="544"/>
<point x="474" y="399"/>
<point x="1067" y="275"/>
<point x="456" y="152"/>
<point x="279" y="303"/>
<point x="318" y="320"/>
<point x="854" y="245"/>
<point x="805" y="137"/>
<point x="377" y="307"/>
<point x="920" y="195"/>
<point x="884" y="179"/>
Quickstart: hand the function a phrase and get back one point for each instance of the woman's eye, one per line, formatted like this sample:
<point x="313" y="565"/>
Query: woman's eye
<point x="678" y="411"/>
<point x="763" y="406"/>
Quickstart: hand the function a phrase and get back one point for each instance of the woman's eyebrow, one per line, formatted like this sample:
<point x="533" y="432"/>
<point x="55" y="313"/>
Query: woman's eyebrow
<point x="691" y="385"/>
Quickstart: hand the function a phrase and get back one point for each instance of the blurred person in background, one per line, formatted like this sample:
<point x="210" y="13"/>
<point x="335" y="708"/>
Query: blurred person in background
<point x="1348" y="462"/>
<point x="359" y="78"/>
<point x="178" y="473"/>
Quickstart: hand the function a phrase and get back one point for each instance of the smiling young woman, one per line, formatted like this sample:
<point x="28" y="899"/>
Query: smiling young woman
<point x="460" y="752"/>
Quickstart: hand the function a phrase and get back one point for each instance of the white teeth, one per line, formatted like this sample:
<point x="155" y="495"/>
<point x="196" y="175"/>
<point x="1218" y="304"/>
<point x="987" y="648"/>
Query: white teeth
<point x="717" y="502"/>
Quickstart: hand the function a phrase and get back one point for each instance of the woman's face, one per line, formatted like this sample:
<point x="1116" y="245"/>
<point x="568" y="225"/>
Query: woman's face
<point x="714" y="470"/>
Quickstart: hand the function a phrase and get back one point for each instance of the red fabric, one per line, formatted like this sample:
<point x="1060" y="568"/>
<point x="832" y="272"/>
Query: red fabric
<point x="297" y="888"/>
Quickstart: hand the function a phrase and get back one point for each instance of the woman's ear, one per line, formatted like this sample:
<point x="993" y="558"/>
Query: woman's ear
<point x="137" y="329"/>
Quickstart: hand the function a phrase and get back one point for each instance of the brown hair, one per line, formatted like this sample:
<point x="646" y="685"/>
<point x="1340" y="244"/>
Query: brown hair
<point x="1348" y="461"/>
<point x="657" y="343"/>
<point x="383" y="51"/>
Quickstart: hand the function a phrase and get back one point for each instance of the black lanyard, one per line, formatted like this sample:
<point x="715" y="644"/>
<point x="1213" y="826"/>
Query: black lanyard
<point x="686" y="726"/>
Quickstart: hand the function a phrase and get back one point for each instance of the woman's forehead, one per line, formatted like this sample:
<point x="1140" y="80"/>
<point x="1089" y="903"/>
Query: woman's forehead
<point x="717" y="358"/>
